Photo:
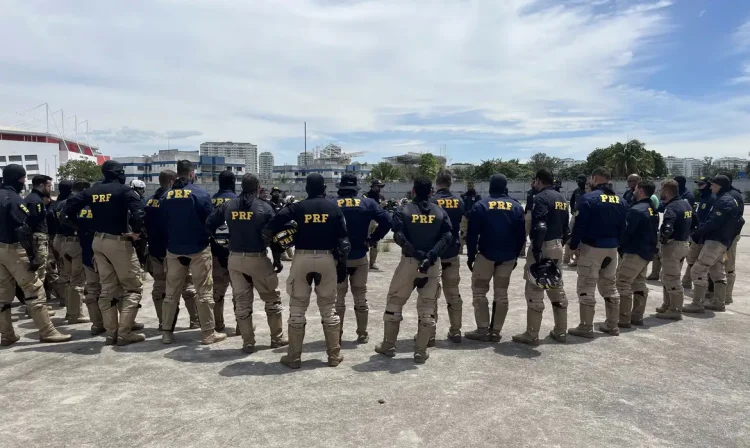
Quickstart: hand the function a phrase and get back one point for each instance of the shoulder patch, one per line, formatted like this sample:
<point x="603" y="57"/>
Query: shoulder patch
<point x="23" y="208"/>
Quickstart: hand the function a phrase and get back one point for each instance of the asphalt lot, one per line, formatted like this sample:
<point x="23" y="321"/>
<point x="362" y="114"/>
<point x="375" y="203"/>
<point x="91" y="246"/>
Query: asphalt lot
<point x="667" y="384"/>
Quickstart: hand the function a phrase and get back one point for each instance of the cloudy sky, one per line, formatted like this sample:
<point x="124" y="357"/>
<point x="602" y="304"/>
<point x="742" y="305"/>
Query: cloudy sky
<point x="482" y="78"/>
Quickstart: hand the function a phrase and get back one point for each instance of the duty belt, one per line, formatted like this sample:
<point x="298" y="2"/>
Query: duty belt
<point x="66" y="239"/>
<point x="313" y="252"/>
<point x="109" y="236"/>
<point x="248" y="254"/>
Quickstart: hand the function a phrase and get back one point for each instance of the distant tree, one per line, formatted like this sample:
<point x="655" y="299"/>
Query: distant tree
<point x="708" y="167"/>
<point x="541" y="160"/>
<point x="466" y="174"/>
<point x="385" y="172"/>
<point x="598" y="157"/>
<point x="660" y="165"/>
<point x="571" y="172"/>
<point x="429" y="166"/>
<point x="80" y="170"/>
<point x="282" y="179"/>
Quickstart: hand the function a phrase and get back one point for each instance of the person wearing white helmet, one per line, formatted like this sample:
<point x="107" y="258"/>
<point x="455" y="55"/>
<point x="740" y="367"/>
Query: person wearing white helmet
<point x="140" y="187"/>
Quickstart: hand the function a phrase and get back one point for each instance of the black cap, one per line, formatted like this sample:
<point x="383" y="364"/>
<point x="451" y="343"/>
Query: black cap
<point x="498" y="183"/>
<point x="377" y="183"/>
<point x="722" y="181"/>
<point x="681" y="180"/>
<point x="275" y="189"/>
<point x="580" y="178"/>
<point x="348" y="181"/>
<point x="704" y="180"/>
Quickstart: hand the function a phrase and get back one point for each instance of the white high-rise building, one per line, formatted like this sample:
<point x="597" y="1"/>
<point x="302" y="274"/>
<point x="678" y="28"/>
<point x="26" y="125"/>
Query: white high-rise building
<point x="247" y="151"/>
<point x="731" y="163"/>
<point x="265" y="165"/>
<point x="568" y="162"/>
<point x="305" y="158"/>
<point x="688" y="167"/>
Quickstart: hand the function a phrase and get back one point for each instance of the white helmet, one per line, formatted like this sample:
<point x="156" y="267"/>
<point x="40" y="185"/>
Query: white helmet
<point x="137" y="184"/>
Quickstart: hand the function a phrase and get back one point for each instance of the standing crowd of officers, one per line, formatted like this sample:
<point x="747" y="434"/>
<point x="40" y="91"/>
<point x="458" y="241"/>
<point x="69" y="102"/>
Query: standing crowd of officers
<point x="93" y="243"/>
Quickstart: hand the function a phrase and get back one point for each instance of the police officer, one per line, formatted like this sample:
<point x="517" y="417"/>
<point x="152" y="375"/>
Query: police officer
<point x="375" y="194"/>
<point x="245" y="217"/>
<point x="92" y="288"/>
<point x="599" y="225"/>
<point x="117" y="214"/>
<point x="20" y="262"/>
<point x="577" y="193"/>
<point x="219" y="247"/>
<point x="686" y="195"/>
<point x="674" y="234"/>
<point x="549" y="232"/>
<point x="718" y="233"/>
<point x="72" y="267"/>
<point x="470" y="197"/>
<point x="702" y="209"/>
<point x="497" y="230"/>
<point x="184" y="209"/>
<point x="37" y="202"/>
<point x="638" y="247"/>
<point x="731" y="257"/>
<point x="454" y="207"/>
<point x="359" y="213"/>
<point x="53" y="213"/>
<point x="277" y="203"/>
<point x="629" y="194"/>
<point x="321" y="231"/>
<point x="157" y="237"/>
<point x="423" y="230"/>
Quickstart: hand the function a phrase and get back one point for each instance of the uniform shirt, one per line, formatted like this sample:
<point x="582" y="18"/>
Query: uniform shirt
<point x="550" y="207"/>
<point x="688" y="196"/>
<point x="641" y="227"/>
<point x="740" y="220"/>
<point x="425" y="227"/>
<point x="470" y="198"/>
<point x="629" y="197"/>
<point x="86" y="236"/>
<point x="574" y="198"/>
<point x="13" y="214"/>
<point x="358" y="214"/>
<point x="320" y="223"/>
<point x="601" y="219"/>
<point x="63" y="228"/>
<point x="37" y="212"/>
<point x="245" y="217"/>
<point x="454" y="207"/>
<point x="678" y="214"/>
<point x="377" y="197"/>
<point x="276" y="205"/>
<point x="720" y="225"/>
<point x="529" y="200"/>
<point x="116" y="208"/>
<point x="496" y="228"/>
<point x="156" y="234"/>
<point x="221" y="235"/>
<point x="184" y="210"/>
<point x="51" y="219"/>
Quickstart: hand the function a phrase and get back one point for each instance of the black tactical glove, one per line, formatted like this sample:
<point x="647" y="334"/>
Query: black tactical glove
<point x="340" y="273"/>
<point x="470" y="263"/>
<point x="663" y="240"/>
<point x="277" y="266"/>
<point x="425" y="265"/>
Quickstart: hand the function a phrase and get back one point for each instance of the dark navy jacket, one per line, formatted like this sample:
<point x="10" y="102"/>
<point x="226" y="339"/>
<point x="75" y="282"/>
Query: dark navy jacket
<point x="86" y="236"/>
<point x="601" y="219"/>
<point x="184" y="210"/>
<point x="721" y="223"/>
<point x="703" y="207"/>
<point x="358" y="213"/>
<point x="550" y="207"/>
<point x="529" y="200"/>
<point x="496" y="228"/>
<point x="245" y="217"/>
<point x="156" y="231"/>
<point x="320" y="224"/>
<point x="469" y="198"/>
<point x="220" y="244"/>
<point x="740" y="222"/>
<point x="37" y="212"/>
<point x="641" y="228"/>
<point x="454" y="207"/>
<point x="678" y="214"/>
<point x="116" y="208"/>
<point x="422" y="229"/>
<point x="629" y="197"/>
<point x="574" y="198"/>
<point x="13" y="214"/>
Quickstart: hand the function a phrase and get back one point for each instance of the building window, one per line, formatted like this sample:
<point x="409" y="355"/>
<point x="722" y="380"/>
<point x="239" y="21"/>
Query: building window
<point x="32" y="167"/>
<point x="14" y="158"/>
<point x="2" y="158"/>
<point x="31" y="158"/>
<point x="140" y="168"/>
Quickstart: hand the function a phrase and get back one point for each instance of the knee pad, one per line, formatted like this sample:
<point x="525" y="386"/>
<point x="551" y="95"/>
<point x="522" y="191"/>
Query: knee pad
<point x="273" y="307"/>
<point x="185" y="261"/>
<point x="313" y="277"/>
<point x="606" y="262"/>
<point x="392" y="316"/>
<point x="721" y="282"/>
<point x="420" y="283"/>
<point x="361" y="308"/>
<point x="560" y="305"/>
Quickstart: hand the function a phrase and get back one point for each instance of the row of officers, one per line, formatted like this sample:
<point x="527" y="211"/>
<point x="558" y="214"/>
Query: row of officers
<point x="197" y="245"/>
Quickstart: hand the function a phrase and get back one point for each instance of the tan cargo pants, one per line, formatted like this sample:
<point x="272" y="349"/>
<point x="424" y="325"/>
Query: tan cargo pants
<point x="692" y="256"/>
<point x="484" y="271"/>
<point x="356" y="275"/>
<point x="710" y="262"/>
<point x="729" y="266"/>
<point x="672" y="257"/>
<point x="14" y="270"/>
<point x="221" y="281"/>
<point x="178" y="270"/>
<point x="450" y="279"/>
<point x="407" y="278"/>
<point x="632" y="287"/>
<point x="597" y="268"/>
<point x="93" y="288"/>
<point x="41" y="247"/>
<point x="61" y="282"/>
<point x="158" y="270"/>
<point x="373" y="250"/>
<point x="566" y="250"/>
<point x="534" y="294"/>
<point x="73" y="272"/>
<point x="253" y="270"/>
<point x="120" y="276"/>
<point x="312" y="267"/>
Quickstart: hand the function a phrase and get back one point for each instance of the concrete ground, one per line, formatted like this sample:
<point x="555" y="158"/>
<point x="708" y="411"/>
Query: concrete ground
<point x="667" y="384"/>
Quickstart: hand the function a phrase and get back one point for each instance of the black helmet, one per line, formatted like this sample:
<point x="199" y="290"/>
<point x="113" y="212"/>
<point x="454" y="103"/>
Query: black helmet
<point x="545" y="274"/>
<point x="284" y="238"/>
<point x="377" y="183"/>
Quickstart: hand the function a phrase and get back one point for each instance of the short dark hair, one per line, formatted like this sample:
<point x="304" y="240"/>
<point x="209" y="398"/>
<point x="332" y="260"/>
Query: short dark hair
<point x="81" y="185"/>
<point x="444" y="177"/>
<point x="184" y="167"/>
<point x="165" y="177"/>
<point x="40" y="179"/>
<point x="602" y="172"/>
<point x="545" y="176"/>
<point x="422" y="187"/>
<point x="671" y="186"/>
<point x="648" y="187"/>
<point x="250" y="183"/>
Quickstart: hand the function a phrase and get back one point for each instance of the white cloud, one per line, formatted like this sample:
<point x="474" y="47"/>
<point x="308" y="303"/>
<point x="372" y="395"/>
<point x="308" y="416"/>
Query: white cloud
<point x="254" y="71"/>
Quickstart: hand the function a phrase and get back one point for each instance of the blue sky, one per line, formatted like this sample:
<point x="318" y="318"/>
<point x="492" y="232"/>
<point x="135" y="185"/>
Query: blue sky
<point x="481" y="78"/>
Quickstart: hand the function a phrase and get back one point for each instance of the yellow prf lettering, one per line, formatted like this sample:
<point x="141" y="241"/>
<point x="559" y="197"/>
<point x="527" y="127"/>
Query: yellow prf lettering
<point x="348" y="202"/>
<point x="448" y="203"/>
<point x="242" y="216"/>
<point x="611" y="198"/>
<point x="152" y="203"/>
<point x="492" y="204"/>
<point x="316" y="218"/>
<point x="101" y="197"/>
<point x="561" y="205"/>
<point x="86" y="214"/>
<point x="689" y="214"/>
<point x="650" y="211"/>
<point x="422" y="219"/>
